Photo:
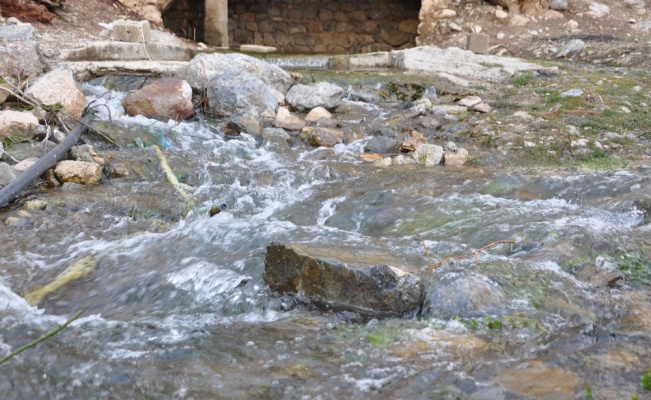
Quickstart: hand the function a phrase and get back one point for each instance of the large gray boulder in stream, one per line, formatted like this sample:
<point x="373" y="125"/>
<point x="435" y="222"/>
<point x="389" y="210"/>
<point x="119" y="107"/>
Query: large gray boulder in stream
<point x="204" y="67"/>
<point x="337" y="279"/>
<point x="238" y="92"/>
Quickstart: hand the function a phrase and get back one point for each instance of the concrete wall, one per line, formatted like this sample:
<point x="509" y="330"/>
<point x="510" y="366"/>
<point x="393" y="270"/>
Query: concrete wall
<point x="324" y="26"/>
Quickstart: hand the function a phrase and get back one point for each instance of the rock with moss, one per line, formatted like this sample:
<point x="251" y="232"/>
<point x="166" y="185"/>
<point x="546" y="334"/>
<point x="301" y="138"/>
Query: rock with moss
<point x="336" y="279"/>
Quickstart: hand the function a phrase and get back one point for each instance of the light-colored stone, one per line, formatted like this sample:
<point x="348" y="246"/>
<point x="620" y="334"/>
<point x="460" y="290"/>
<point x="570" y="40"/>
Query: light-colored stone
<point x="445" y="13"/>
<point x="429" y="7"/>
<point x="571" y="24"/>
<point x="403" y="160"/>
<point x="501" y="14"/>
<point x="59" y="87"/>
<point x="80" y="172"/>
<point x="573" y="46"/>
<point x="443" y="109"/>
<point x="579" y="143"/>
<point x="254" y="48"/>
<point x="166" y="97"/>
<point x="322" y="94"/>
<point x="383" y="162"/>
<point x="455" y="27"/>
<point x="238" y="92"/>
<point x="18" y="53"/>
<point x="204" y="67"/>
<point x="35" y="204"/>
<point x="128" y="51"/>
<point x="317" y="113"/>
<point x="458" y="157"/>
<point x="131" y="31"/>
<point x="481" y="107"/>
<point x="24" y="165"/>
<point x="428" y="154"/>
<point x="5" y="91"/>
<point x="469" y="101"/>
<point x="553" y="14"/>
<point x="419" y="107"/>
<point x="17" y="123"/>
<point x="572" y="93"/>
<point x="518" y="20"/>
<point x="287" y="120"/>
<point x="598" y="9"/>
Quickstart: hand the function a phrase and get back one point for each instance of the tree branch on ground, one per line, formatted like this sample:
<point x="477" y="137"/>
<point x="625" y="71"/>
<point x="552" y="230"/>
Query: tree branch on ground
<point x="42" y="338"/>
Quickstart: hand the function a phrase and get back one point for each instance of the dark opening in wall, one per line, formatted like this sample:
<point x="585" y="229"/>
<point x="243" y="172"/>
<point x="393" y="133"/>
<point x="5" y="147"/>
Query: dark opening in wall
<point x="186" y="19"/>
<point x="324" y="26"/>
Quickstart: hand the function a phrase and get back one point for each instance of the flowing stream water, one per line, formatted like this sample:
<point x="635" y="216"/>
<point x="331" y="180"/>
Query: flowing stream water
<point x="184" y="313"/>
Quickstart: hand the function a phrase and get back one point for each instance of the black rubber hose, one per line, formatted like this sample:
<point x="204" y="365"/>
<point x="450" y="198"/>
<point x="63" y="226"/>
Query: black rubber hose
<point x="12" y="190"/>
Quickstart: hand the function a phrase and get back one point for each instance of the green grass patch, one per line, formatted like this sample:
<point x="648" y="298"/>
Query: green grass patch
<point x="524" y="79"/>
<point x="383" y="336"/>
<point x="645" y="381"/>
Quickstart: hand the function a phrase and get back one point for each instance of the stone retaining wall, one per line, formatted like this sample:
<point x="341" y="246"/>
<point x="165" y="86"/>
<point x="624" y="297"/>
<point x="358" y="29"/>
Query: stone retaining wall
<point x="324" y="26"/>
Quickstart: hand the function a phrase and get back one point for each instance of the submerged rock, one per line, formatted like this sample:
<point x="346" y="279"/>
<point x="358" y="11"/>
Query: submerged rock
<point x="337" y="280"/>
<point x="466" y="296"/>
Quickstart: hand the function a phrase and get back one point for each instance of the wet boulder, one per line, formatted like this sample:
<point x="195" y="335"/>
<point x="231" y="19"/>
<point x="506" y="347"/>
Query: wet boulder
<point x="428" y="154"/>
<point x="238" y="92"/>
<point x="465" y="296"/>
<point x="78" y="172"/>
<point x="336" y="279"/>
<point x="322" y="94"/>
<point x="320" y="136"/>
<point x="167" y="97"/>
<point x="382" y="144"/>
<point x="204" y="67"/>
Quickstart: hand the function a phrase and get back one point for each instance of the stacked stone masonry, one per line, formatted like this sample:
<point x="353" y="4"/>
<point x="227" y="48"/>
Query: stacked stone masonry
<point x="186" y="19"/>
<point x="324" y="26"/>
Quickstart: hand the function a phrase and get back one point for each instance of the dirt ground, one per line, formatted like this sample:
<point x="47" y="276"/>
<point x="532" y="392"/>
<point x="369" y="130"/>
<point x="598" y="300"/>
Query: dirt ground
<point x="616" y="38"/>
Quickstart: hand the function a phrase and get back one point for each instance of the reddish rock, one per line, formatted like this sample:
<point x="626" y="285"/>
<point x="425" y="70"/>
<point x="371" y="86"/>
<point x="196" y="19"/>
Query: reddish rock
<point x="26" y="12"/>
<point x="166" y="97"/>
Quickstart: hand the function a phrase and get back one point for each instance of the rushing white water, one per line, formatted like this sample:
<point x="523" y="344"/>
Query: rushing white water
<point x="185" y="313"/>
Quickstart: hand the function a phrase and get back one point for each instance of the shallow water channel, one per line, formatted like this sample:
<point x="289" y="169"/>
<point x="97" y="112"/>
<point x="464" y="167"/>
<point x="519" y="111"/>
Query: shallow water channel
<point x="182" y="312"/>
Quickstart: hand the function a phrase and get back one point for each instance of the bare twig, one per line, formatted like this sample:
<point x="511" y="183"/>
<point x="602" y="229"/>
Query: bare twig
<point x="42" y="338"/>
<point x="474" y="252"/>
<point x="417" y="234"/>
